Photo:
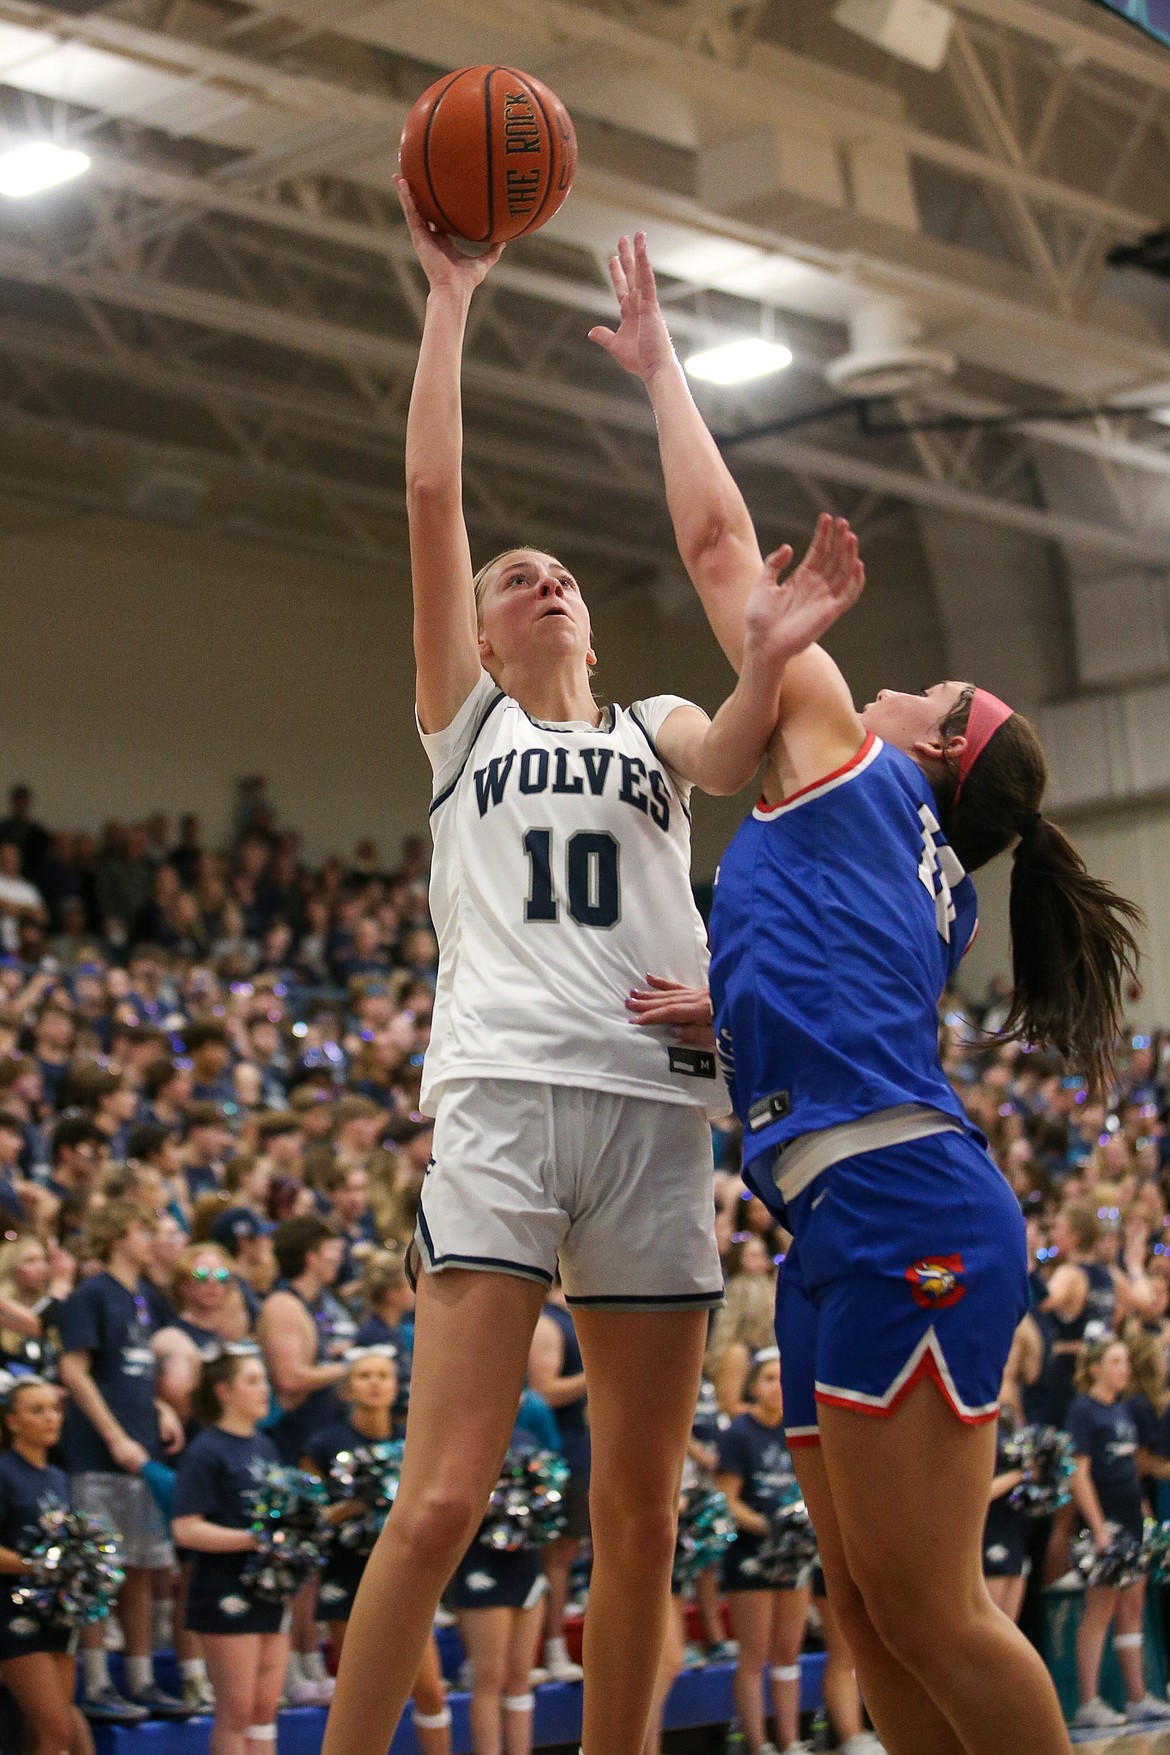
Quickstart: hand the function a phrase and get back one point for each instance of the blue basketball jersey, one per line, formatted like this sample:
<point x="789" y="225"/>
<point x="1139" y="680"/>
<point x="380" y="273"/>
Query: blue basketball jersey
<point x="839" y="917"/>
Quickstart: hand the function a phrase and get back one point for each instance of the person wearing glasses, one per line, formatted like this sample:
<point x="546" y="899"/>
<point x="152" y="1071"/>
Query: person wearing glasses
<point x="246" y="1649"/>
<point x="210" y="1312"/>
<point x="115" y="1424"/>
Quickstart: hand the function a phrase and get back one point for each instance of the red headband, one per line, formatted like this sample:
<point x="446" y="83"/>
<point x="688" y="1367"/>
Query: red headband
<point x="987" y="714"/>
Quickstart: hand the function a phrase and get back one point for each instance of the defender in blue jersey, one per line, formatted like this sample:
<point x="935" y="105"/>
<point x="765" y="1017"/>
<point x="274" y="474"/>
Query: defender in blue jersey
<point x="841" y="909"/>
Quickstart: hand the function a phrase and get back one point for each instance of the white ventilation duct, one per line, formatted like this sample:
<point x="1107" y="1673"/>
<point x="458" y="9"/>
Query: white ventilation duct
<point x="885" y="357"/>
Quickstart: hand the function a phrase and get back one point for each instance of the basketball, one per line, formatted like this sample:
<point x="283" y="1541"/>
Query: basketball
<point x="489" y="153"/>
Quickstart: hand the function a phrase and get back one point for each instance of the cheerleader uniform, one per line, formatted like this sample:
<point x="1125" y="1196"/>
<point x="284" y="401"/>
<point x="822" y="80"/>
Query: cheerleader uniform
<point x="759" y="1455"/>
<point x="343" y="1569"/>
<point x="496" y="1578"/>
<point x="1005" y="1534"/>
<point x="217" y="1471"/>
<point x="1108" y="1436"/>
<point x="25" y="1492"/>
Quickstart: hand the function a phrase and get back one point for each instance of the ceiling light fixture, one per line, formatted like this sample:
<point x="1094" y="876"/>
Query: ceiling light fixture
<point x="37" y="165"/>
<point x="736" y="362"/>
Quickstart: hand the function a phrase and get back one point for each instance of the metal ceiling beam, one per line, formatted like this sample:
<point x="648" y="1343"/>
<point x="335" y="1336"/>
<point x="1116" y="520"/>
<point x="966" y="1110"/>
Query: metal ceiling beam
<point x="317" y="338"/>
<point x="1082" y="43"/>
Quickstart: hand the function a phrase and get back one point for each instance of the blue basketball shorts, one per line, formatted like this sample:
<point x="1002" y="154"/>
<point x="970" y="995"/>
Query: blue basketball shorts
<point x="907" y="1263"/>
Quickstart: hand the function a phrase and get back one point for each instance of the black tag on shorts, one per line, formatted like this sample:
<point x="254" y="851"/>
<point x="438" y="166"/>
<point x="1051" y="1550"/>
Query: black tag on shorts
<point x="697" y="1063"/>
<point x="769" y="1109"/>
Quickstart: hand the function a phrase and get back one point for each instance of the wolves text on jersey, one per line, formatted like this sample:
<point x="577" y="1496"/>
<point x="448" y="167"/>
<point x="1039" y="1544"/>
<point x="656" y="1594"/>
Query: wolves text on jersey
<point x="568" y="773"/>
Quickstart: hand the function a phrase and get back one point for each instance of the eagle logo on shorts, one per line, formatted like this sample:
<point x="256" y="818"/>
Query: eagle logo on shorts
<point x="934" y="1281"/>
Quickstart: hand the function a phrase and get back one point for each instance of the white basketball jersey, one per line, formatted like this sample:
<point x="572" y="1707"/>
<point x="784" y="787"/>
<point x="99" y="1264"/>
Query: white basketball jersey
<point x="561" y="878"/>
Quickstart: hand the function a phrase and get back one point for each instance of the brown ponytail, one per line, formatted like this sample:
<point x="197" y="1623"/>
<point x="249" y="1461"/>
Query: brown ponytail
<point x="1072" y="935"/>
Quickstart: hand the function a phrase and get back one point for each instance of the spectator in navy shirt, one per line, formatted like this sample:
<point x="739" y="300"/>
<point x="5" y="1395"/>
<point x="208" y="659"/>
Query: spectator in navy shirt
<point x="211" y="1059"/>
<point x="207" y="1142"/>
<point x="37" y="1663"/>
<point x="166" y="1088"/>
<point x="12" y="1205"/>
<point x="1107" y="1492"/>
<point x="245" y="1648"/>
<point x="114" y="1425"/>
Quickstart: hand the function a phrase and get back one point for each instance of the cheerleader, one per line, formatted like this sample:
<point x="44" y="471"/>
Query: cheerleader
<point x="498" y="1596"/>
<point x="1005" y="1534"/>
<point x="245" y="1649"/>
<point x="370" y="1387"/>
<point x="755" y="1473"/>
<point x="1107" y="1492"/>
<point x="37" y="1664"/>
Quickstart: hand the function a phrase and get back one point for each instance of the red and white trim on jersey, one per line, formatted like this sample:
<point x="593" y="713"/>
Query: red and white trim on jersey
<point x="926" y="1361"/>
<point x="799" y="1437"/>
<point x="857" y="764"/>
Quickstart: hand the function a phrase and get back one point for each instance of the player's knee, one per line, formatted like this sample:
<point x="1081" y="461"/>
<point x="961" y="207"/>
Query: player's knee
<point x="438" y="1525"/>
<point x="641" y="1535"/>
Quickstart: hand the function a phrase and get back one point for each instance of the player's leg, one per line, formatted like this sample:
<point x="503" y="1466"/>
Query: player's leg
<point x="839" y="1678"/>
<point x="915" y="1554"/>
<point x="907" y="1718"/>
<point x="472" y="1335"/>
<point x="643" y="1370"/>
<point x="670" y="1665"/>
<point x="1127" y="1639"/>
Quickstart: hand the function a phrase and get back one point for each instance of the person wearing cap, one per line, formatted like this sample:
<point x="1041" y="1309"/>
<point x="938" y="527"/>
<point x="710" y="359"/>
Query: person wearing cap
<point x="246" y="1237"/>
<point x="841" y="912"/>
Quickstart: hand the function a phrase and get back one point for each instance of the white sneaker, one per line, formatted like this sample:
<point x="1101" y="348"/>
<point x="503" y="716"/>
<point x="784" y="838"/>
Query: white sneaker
<point x="1094" y="1715"/>
<point x="1148" y="1711"/>
<point x="299" y="1691"/>
<point x="559" y="1664"/>
<point x="864" y="1743"/>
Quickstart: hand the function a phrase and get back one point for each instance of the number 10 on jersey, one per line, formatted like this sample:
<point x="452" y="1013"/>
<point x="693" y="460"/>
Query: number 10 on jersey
<point x="592" y="883"/>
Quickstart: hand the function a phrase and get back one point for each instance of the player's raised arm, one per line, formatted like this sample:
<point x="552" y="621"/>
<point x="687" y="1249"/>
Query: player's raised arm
<point x="782" y="620"/>
<point x="713" y="528"/>
<point x="446" y="646"/>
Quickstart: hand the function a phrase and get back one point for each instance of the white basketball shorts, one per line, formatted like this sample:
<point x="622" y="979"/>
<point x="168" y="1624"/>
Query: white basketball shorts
<point x="618" y="1190"/>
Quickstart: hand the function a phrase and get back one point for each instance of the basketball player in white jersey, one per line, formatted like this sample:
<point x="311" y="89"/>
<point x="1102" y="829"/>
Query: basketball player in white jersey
<point x="564" y="1135"/>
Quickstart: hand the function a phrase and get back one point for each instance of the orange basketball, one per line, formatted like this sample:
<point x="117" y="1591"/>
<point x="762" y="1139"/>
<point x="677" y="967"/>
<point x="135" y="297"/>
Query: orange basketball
<point x="489" y="154"/>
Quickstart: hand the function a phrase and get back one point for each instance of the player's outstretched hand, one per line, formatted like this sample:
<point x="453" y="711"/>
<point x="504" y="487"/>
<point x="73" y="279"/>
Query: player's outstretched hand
<point x="444" y="263"/>
<point x="786" y="616"/>
<point x="685" y="1011"/>
<point x="641" y="343"/>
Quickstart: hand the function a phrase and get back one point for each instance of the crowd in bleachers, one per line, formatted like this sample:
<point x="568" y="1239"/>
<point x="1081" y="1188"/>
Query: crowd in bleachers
<point x="211" y="1154"/>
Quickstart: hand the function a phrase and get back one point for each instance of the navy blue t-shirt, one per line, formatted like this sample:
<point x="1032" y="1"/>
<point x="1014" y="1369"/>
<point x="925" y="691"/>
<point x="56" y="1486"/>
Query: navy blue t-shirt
<point x="26" y="1491"/>
<point x="759" y="1455"/>
<point x="114" y="1327"/>
<point x="1108" y="1436"/>
<point x="216" y="1472"/>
